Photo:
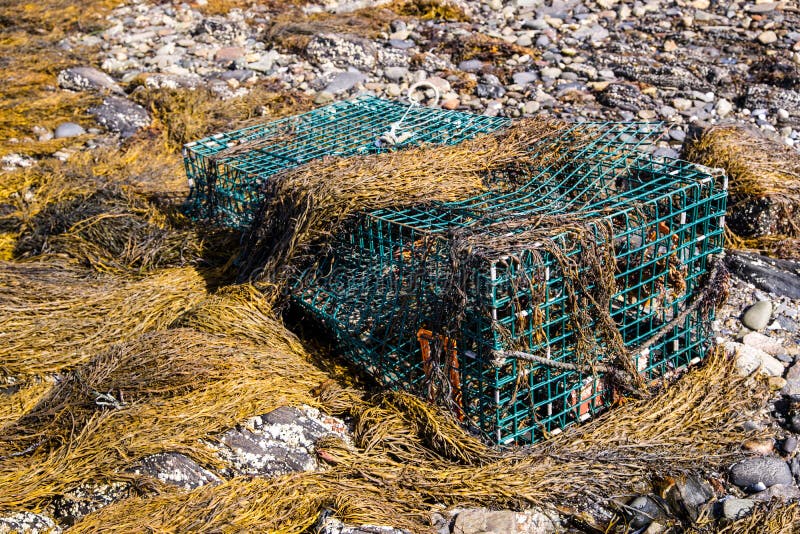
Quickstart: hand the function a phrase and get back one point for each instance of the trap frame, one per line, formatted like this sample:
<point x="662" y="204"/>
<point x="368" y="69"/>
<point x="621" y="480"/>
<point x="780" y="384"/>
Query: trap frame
<point x="432" y="298"/>
<point x="590" y="256"/>
<point x="226" y="171"/>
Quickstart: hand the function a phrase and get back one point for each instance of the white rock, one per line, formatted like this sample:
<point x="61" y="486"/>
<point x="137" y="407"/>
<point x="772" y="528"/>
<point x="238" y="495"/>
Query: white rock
<point x="764" y="343"/>
<point x="750" y="359"/>
<point x="723" y="107"/>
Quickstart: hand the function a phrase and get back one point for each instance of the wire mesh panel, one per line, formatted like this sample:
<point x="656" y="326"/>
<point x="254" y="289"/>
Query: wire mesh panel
<point x="430" y="299"/>
<point x="226" y="171"/>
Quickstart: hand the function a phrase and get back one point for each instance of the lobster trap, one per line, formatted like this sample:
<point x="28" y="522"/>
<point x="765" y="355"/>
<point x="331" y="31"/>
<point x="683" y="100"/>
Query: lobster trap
<point x="226" y="171"/>
<point x="523" y="309"/>
<point x="595" y="258"/>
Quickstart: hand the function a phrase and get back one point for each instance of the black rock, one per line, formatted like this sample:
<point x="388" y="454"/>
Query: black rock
<point x="86" y="499"/>
<point x="687" y="497"/>
<point x="254" y="454"/>
<point x="644" y="510"/>
<point x="781" y="277"/>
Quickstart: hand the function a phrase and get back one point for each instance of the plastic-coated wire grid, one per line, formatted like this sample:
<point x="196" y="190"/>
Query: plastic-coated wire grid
<point x="225" y="189"/>
<point x="386" y="276"/>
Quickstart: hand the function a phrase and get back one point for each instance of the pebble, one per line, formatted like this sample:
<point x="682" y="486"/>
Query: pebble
<point x="759" y="446"/>
<point x="767" y="470"/>
<point x="758" y="315"/>
<point x="767" y="37"/>
<point x="789" y="445"/>
<point x="646" y="510"/>
<point x="395" y="74"/>
<point x="68" y="129"/>
<point x="344" y="81"/>
<point x="733" y="509"/>
<point x="723" y="107"/>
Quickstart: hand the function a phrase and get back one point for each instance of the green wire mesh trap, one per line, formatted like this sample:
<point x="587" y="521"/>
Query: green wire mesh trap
<point x="386" y="289"/>
<point x="428" y="299"/>
<point x="226" y="171"/>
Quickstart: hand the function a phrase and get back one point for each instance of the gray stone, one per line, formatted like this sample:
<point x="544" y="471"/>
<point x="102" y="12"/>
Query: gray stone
<point x="524" y="78"/>
<point x="550" y="72"/>
<point x="175" y="469"/>
<point x="780" y="492"/>
<point x="401" y="44"/>
<point x="758" y="315"/>
<point x="342" y="50"/>
<point x="254" y="454"/>
<point x="482" y="520"/>
<point x="120" y="115"/>
<point x="767" y="470"/>
<point x="395" y="74"/>
<point x="86" y="78"/>
<point x="792" y="387"/>
<point x="28" y="523"/>
<point x="643" y="510"/>
<point x="471" y="65"/>
<point x="344" y="81"/>
<point x="789" y="445"/>
<point x="734" y="509"/>
<point x="68" y="129"/>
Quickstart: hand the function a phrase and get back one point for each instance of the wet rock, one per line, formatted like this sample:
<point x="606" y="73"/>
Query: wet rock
<point x="758" y="315"/>
<point x="781" y="277"/>
<point x="68" y="129"/>
<point x="87" y="78"/>
<point x="342" y="50"/>
<point x="175" y="469"/>
<point x="688" y="496"/>
<point x="344" y="81"/>
<point x="28" y="523"/>
<point x="88" y="498"/>
<point x="762" y="96"/>
<point x="252" y="454"/>
<point x="644" y="510"/>
<point x="767" y="470"/>
<point x="733" y="509"/>
<point x="482" y="520"/>
<point x="121" y="116"/>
